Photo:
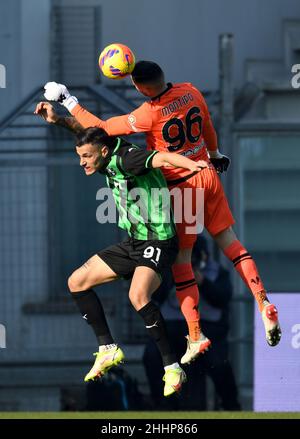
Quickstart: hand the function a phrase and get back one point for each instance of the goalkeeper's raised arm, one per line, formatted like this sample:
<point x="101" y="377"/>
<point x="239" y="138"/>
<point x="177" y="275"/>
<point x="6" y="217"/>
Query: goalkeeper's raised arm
<point x="137" y="121"/>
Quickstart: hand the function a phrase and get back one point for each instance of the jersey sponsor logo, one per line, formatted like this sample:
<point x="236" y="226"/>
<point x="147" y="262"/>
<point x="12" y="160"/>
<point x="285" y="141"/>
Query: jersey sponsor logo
<point x="193" y="151"/>
<point x="177" y="104"/>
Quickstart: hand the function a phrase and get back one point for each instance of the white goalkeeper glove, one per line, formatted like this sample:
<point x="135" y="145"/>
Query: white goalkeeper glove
<point x="60" y="93"/>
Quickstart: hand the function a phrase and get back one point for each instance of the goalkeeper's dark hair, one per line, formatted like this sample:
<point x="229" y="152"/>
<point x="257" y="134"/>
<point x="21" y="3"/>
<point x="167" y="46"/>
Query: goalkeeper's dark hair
<point x="147" y="72"/>
<point x="95" y="136"/>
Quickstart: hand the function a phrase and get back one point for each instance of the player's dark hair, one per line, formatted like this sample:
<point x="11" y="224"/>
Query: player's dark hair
<point x="95" y="136"/>
<point x="147" y="72"/>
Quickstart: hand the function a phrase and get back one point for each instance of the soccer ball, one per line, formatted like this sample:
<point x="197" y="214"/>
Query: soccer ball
<point x="116" y="61"/>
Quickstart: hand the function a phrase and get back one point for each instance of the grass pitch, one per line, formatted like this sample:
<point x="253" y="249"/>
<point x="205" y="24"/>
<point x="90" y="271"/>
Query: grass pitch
<point x="149" y="415"/>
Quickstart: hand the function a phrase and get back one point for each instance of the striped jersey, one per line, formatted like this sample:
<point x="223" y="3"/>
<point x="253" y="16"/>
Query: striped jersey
<point x="140" y="192"/>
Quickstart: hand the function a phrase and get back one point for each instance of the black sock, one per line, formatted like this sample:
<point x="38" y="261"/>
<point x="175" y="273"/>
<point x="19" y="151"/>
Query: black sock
<point x="92" y="311"/>
<point x="155" y="324"/>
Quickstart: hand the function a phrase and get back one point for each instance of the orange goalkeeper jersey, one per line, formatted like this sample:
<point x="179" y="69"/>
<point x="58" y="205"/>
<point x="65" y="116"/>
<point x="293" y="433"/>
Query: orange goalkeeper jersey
<point x="177" y="120"/>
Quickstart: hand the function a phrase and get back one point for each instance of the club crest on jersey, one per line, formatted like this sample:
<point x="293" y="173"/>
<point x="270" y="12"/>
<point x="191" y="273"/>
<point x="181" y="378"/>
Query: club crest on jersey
<point x="131" y="119"/>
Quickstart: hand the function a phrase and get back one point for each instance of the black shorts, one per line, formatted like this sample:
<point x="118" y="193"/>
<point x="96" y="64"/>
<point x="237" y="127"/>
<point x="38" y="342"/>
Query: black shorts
<point x="123" y="258"/>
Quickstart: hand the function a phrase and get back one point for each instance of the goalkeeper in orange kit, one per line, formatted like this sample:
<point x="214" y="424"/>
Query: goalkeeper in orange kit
<point x="176" y="118"/>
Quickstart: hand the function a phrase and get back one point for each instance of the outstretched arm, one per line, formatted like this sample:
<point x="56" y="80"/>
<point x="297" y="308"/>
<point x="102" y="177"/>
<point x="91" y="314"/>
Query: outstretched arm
<point x="114" y="126"/>
<point x="47" y="112"/>
<point x="139" y="120"/>
<point x="172" y="159"/>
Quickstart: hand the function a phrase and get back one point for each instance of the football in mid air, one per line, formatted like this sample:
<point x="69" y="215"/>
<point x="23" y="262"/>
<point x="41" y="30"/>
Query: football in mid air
<point x="116" y="61"/>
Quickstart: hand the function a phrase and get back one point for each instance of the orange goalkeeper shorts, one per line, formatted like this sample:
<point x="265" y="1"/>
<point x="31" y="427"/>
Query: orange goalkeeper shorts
<point x="216" y="214"/>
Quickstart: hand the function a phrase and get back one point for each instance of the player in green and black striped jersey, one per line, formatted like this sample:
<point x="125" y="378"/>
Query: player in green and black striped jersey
<point x="132" y="174"/>
<point x="141" y="196"/>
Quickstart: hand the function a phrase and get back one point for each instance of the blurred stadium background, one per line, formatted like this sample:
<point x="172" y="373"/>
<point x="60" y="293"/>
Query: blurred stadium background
<point x="241" y="58"/>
